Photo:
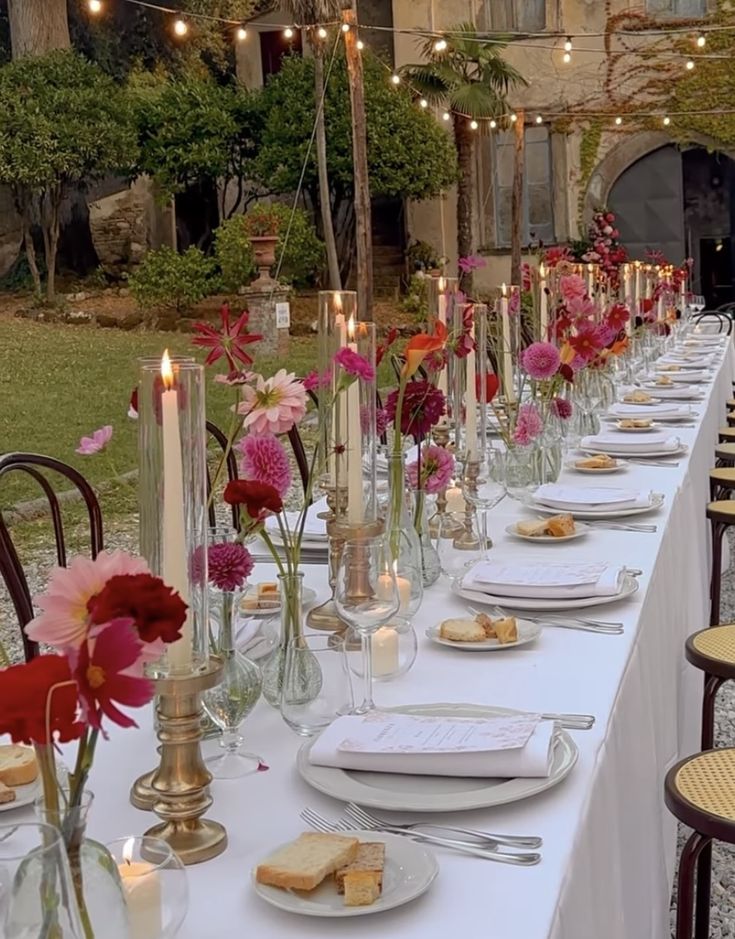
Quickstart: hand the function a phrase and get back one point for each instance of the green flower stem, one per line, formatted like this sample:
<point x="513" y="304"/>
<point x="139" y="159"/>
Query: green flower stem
<point x="233" y="430"/>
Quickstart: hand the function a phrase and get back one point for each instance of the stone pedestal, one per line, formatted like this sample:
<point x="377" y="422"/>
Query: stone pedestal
<point x="260" y="299"/>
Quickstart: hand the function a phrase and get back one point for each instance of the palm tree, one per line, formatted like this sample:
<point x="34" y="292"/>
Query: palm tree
<point x="312" y="13"/>
<point x="471" y="79"/>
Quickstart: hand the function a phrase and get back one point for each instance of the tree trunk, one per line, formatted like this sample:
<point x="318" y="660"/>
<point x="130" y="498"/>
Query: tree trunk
<point x="38" y="26"/>
<point x="516" y="202"/>
<point x="51" y="236"/>
<point x="335" y="281"/>
<point x="363" y="220"/>
<point x="23" y="206"/>
<point x="464" y="141"/>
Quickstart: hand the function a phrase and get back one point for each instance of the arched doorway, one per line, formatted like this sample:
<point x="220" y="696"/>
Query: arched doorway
<point x="682" y="202"/>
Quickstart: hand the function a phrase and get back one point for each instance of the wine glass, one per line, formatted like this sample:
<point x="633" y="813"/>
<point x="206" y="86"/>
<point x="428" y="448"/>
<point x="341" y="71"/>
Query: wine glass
<point x="366" y="597"/>
<point x="483" y="486"/>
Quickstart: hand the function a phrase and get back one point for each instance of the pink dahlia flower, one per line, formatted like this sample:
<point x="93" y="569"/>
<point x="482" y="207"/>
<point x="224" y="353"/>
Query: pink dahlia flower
<point x="274" y="405"/>
<point x="528" y="426"/>
<point x="435" y="471"/>
<point x="264" y="460"/>
<point x="355" y="364"/>
<point x="541" y="360"/>
<point x="97" y="442"/>
<point x="561" y="408"/>
<point x="572" y="287"/>
<point x="64" y="621"/>
<point x="230" y="565"/>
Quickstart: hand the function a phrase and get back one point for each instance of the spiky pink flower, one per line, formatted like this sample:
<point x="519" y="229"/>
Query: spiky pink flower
<point x="230" y="564"/>
<point x="355" y="364"/>
<point x="264" y="460"/>
<point x="434" y="472"/>
<point x="97" y="442"/>
<point x="274" y="405"/>
<point x="541" y="360"/>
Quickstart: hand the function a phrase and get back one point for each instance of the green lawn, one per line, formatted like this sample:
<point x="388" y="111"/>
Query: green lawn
<point x="58" y="383"/>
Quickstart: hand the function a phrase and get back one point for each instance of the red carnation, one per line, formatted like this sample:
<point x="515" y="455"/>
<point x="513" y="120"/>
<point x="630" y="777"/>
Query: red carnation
<point x="157" y="611"/>
<point x="24" y="693"/>
<point x="258" y="498"/>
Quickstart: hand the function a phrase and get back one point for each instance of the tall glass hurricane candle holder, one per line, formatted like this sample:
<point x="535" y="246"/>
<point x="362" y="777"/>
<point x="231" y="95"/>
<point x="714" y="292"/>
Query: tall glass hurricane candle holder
<point x="480" y="326"/>
<point x="360" y="440"/>
<point x="173" y="498"/>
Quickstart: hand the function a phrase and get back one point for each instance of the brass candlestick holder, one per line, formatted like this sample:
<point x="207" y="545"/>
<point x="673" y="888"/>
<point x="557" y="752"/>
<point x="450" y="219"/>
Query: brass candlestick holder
<point x="325" y="615"/>
<point x="177" y="791"/>
<point x="439" y="525"/>
<point x="467" y="539"/>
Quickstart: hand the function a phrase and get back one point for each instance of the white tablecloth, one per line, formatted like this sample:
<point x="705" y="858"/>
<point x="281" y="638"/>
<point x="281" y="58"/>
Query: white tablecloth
<point x="609" y="843"/>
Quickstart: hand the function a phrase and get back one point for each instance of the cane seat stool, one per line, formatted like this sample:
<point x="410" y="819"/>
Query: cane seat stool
<point x="700" y="792"/>
<point x="713" y="651"/>
<point x="721" y="515"/>
<point x="731" y="418"/>
<point x="726" y="435"/>
<point x="725" y="454"/>
<point x="721" y="482"/>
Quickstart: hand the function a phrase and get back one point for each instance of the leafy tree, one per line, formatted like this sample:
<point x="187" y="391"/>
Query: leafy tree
<point x="63" y="123"/>
<point x="471" y="77"/>
<point x="409" y="154"/>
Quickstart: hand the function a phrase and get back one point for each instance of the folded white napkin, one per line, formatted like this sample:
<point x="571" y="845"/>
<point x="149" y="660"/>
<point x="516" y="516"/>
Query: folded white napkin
<point x="532" y="760"/>
<point x="684" y="376"/>
<point x="249" y="640"/>
<point x="616" y="441"/>
<point x="655" y="411"/>
<point x="575" y="497"/>
<point x="684" y="360"/>
<point x="545" y="581"/>
<point x="675" y="391"/>
<point x="315" y="528"/>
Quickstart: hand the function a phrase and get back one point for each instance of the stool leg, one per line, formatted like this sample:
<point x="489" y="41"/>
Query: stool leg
<point x="704" y="889"/>
<point x="685" y="889"/>
<point x="718" y="531"/>
<point x="711" y="687"/>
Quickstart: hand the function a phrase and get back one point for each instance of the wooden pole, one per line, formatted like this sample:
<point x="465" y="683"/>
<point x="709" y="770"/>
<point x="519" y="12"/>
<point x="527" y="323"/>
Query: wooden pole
<point x="516" y="203"/>
<point x="363" y="222"/>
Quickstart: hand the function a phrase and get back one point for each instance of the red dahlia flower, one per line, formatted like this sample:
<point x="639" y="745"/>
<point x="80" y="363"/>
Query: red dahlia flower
<point x="258" y="498"/>
<point x="157" y="611"/>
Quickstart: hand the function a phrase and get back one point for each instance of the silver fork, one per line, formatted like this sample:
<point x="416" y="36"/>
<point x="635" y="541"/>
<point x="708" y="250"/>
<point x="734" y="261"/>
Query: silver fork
<point x="622" y="526"/>
<point x="568" y="622"/>
<point x="465" y="847"/>
<point x="511" y="841"/>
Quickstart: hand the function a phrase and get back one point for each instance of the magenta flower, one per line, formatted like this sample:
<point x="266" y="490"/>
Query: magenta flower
<point x="572" y="287"/>
<point x="561" y="408"/>
<point x="274" y="405"/>
<point x="355" y="364"/>
<point x="230" y="564"/>
<point x="514" y="303"/>
<point x="528" y="426"/>
<point x="434" y="472"/>
<point x="235" y="377"/>
<point x="423" y="405"/>
<point x="381" y="421"/>
<point x="229" y="341"/>
<point x="471" y="263"/>
<point x="97" y="442"/>
<point x="133" y="405"/>
<point x="541" y="360"/>
<point x="264" y="460"/>
<point x="314" y="381"/>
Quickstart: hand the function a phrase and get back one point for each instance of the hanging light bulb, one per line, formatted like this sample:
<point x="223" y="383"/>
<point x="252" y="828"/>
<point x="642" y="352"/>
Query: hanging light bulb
<point x="440" y="45"/>
<point x="360" y="44"/>
<point x="446" y="116"/>
<point x="288" y="33"/>
<point x="567" y="57"/>
<point x="513" y="118"/>
<point x="396" y="79"/>
<point x="690" y="64"/>
<point x="474" y="125"/>
<point x="424" y="103"/>
<point x="321" y="32"/>
<point x="180" y="27"/>
<point x="242" y="34"/>
<point x="539" y="119"/>
<point x="345" y="27"/>
<point x="701" y="40"/>
<point x="667" y="121"/>
<point x="618" y="121"/>
<point x="95" y="6"/>
<point x="568" y="44"/>
<point x="493" y="124"/>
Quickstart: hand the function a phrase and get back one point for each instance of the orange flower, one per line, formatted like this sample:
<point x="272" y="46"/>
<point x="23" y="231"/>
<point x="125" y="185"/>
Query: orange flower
<point x="422" y="345"/>
<point x="567" y="354"/>
<point x="619" y="346"/>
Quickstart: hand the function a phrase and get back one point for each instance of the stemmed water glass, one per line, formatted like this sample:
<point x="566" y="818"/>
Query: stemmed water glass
<point x="366" y="596"/>
<point x="483" y="486"/>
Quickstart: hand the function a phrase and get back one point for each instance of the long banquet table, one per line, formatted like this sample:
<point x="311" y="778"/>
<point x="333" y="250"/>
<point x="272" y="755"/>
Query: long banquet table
<point x="609" y="844"/>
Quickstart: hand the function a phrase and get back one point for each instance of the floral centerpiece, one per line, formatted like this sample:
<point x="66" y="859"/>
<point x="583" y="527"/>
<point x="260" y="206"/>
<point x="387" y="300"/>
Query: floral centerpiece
<point x="105" y="619"/>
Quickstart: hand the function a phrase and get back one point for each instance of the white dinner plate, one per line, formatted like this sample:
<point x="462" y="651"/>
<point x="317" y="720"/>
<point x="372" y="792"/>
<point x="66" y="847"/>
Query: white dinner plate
<point x="626" y="454"/>
<point x="24" y="795"/>
<point x="410" y="869"/>
<point x="634" y="430"/>
<point x="629" y="587"/>
<point x="657" y="500"/>
<point x="619" y="467"/>
<point x="308" y="595"/>
<point x="642" y="404"/>
<point x="527" y="632"/>
<point x="579" y="532"/>
<point x="396" y="792"/>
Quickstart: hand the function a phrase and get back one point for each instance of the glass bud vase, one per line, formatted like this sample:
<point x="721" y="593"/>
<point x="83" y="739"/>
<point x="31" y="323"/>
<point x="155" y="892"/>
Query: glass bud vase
<point x="405" y="541"/>
<point x="95" y="877"/>
<point x="292" y="628"/>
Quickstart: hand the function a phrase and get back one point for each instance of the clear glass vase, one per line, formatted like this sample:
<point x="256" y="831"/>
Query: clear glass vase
<point x="94" y="875"/>
<point x="407" y="540"/>
<point x="430" y="565"/>
<point x="520" y="473"/>
<point x="548" y="449"/>
<point x="291" y="588"/>
<point x="230" y="702"/>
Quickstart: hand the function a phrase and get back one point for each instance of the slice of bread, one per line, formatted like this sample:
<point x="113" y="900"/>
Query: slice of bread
<point x="18" y="765"/>
<point x="462" y="630"/>
<point x="6" y="794"/>
<point x="487" y="624"/>
<point x="532" y="529"/>
<point x="304" y="863"/>
<point x="361" y="888"/>
<point x="558" y="526"/>
<point x="637" y="397"/>
<point x="603" y="461"/>
<point x="506" y="630"/>
<point x="370" y="857"/>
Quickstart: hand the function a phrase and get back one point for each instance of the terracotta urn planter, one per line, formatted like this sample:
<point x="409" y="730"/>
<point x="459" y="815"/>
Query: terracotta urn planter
<point x="264" y="252"/>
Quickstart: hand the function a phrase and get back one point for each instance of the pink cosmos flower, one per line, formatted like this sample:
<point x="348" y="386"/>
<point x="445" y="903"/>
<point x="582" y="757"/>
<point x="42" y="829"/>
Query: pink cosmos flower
<point x="581" y="307"/>
<point x="314" y="381"/>
<point x="541" y="360"/>
<point x="235" y="377"/>
<point x="264" y="460"/>
<point x="97" y="442"/>
<point x="561" y="408"/>
<point x="64" y="619"/>
<point x="355" y="364"/>
<point x="471" y="263"/>
<point x="528" y="425"/>
<point x="133" y="405"/>
<point x="572" y="287"/>
<point x="230" y="564"/>
<point x="435" y="471"/>
<point x="587" y="342"/>
<point x="274" y="405"/>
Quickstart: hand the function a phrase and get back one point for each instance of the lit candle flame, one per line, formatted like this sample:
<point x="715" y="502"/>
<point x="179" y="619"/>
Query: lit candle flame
<point x="351" y="329"/>
<point x="442" y="285"/>
<point x="127" y="851"/>
<point x="541" y="271"/>
<point x="504" y="289"/>
<point x="167" y="373"/>
<point x="338" y="302"/>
